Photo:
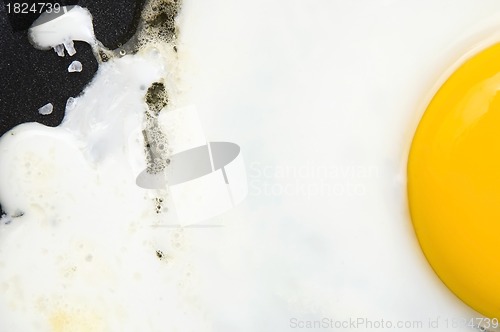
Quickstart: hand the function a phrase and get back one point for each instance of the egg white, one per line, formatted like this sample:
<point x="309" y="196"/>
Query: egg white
<point x="322" y="96"/>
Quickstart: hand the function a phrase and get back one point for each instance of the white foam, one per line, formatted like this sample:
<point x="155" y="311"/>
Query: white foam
<point x="46" y="109"/>
<point x="69" y="46"/>
<point x="75" y="66"/>
<point x="59" y="49"/>
<point x="75" y="24"/>
<point x="70" y="104"/>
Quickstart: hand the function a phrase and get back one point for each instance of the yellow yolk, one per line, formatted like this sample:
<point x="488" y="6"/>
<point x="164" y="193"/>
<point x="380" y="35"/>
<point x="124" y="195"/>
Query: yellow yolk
<point x="454" y="182"/>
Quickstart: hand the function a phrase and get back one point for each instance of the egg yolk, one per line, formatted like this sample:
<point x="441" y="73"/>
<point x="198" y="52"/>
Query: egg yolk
<point x="454" y="182"/>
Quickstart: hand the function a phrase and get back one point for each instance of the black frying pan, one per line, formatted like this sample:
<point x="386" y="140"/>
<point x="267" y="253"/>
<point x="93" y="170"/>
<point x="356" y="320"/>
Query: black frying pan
<point x="31" y="78"/>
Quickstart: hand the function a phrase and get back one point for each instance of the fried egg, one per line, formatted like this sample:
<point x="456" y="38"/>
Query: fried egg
<point x="324" y="99"/>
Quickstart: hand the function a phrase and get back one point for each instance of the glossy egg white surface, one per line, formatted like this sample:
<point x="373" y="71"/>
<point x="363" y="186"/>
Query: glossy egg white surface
<point x="323" y="97"/>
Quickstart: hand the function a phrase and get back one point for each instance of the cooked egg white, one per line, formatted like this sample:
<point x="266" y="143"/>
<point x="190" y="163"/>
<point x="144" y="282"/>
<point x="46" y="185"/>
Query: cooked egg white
<point x="321" y="95"/>
<point x="79" y="250"/>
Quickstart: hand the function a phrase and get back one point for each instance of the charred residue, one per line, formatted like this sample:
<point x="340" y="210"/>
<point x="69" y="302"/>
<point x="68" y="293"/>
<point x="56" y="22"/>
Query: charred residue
<point x="103" y="56"/>
<point x="158" y="26"/>
<point x="156" y="97"/>
<point x="159" y="19"/>
<point x="155" y="140"/>
<point x="159" y="205"/>
<point x="5" y="219"/>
